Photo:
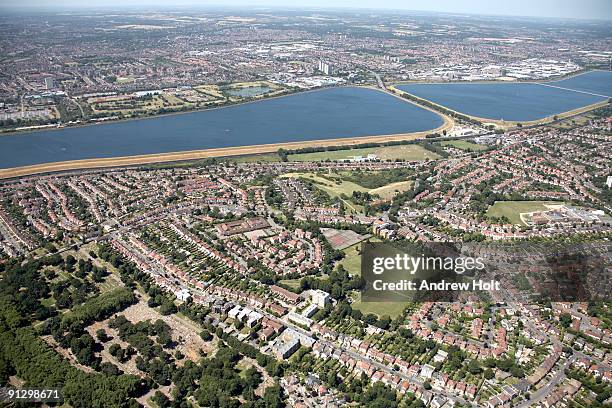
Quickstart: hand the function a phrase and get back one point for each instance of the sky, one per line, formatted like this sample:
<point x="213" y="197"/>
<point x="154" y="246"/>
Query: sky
<point x="584" y="9"/>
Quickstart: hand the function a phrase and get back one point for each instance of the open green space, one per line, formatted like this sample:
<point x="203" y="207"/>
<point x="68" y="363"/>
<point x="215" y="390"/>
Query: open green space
<point x="464" y="145"/>
<point x="513" y="209"/>
<point x="405" y="152"/>
<point x="337" y="184"/>
<point x="392" y="309"/>
<point x="344" y="184"/>
<point x="352" y="257"/>
<point x="387" y="192"/>
<point x="352" y="260"/>
<point x="292" y="283"/>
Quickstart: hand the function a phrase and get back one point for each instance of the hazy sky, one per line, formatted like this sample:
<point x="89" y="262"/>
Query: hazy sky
<point x="597" y="9"/>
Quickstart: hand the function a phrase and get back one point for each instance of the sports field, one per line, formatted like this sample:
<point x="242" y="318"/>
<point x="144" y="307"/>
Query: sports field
<point x="513" y="209"/>
<point x="341" y="239"/>
<point x="464" y="145"/>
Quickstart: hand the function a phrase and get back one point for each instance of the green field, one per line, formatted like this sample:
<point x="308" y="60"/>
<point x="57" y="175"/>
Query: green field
<point x="352" y="258"/>
<point x="331" y="183"/>
<point x="292" y="283"/>
<point x="513" y="209"/>
<point x="392" y="309"/>
<point x="406" y="152"/>
<point x="464" y="145"/>
<point x="334" y="185"/>
<point x="387" y="192"/>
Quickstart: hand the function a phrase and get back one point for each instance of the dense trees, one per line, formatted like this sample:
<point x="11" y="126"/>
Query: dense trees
<point x="99" y="307"/>
<point x="507" y="365"/>
<point x="379" y="396"/>
<point x="31" y="359"/>
<point x="24" y="354"/>
<point x="375" y="179"/>
<point x="25" y="286"/>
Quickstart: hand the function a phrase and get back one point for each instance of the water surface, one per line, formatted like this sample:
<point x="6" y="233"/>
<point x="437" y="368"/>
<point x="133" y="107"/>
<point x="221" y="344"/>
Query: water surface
<point x="325" y="114"/>
<point x="517" y="101"/>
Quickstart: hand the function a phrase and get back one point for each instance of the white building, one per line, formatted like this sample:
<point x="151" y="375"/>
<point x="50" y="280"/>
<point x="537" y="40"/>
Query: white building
<point x="254" y="318"/>
<point x="320" y="298"/>
<point x="310" y="310"/>
<point x="325" y="67"/>
<point x="299" y="319"/>
<point x="427" y="371"/>
<point x="234" y="312"/>
<point x="183" y="295"/>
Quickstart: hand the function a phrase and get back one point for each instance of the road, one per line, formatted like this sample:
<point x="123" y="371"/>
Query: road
<point x="379" y="81"/>
<point x="543" y="392"/>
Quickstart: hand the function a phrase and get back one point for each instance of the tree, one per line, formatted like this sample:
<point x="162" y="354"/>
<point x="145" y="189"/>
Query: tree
<point x="161" y="400"/>
<point x="517" y="372"/>
<point x="370" y="318"/>
<point x="384" y="322"/>
<point x="252" y="377"/>
<point x="114" y="349"/>
<point x="474" y="368"/>
<point x="205" y="335"/>
<point x="101" y="335"/>
<point x="109" y="368"/>
<point x="273" y="397"/>
<point x="164" y="338"/>
<point x="565" y="319"/>
<point x="167" y="308"/>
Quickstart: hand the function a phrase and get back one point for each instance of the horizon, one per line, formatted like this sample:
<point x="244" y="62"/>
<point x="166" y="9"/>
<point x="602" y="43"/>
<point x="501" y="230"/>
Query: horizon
<point x="595" y="10"/>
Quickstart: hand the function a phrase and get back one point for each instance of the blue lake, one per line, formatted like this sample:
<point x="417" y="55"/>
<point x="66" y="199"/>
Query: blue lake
<point x="517" y="101"/>
<point x="324" y="114"/>
<point x="599" y="82"/>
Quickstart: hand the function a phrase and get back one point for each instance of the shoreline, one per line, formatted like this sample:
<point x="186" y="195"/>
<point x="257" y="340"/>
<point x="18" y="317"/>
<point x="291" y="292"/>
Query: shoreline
<point x="170" y="157"/>
<point x="54" y="127"/>
<point x="505" y="124"/>
<point x="186" y="112"/>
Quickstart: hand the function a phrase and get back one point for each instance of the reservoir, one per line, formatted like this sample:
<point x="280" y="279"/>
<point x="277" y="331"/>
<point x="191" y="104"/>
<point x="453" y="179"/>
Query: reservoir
<point x="324" y="114"/>
<point x="523" y="101"/>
